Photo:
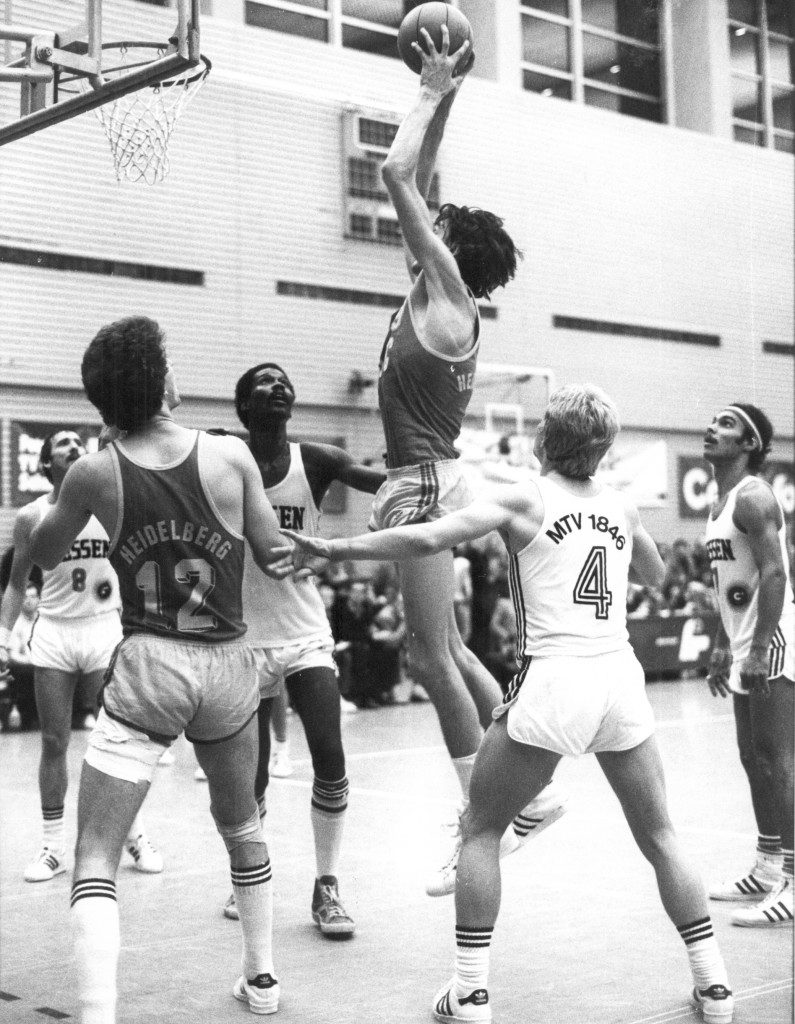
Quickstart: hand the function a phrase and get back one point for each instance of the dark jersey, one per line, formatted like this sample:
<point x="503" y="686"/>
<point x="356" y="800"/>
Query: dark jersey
<point x="180" y="567"/>
<point x="422" y="395"/>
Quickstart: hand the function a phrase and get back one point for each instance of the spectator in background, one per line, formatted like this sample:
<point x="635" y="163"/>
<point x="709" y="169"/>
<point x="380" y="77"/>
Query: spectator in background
<point x="502" y="654"/>
<point x="351" y="616"/>
<point x="21" y="693"/>
<point x="387" y="635"/>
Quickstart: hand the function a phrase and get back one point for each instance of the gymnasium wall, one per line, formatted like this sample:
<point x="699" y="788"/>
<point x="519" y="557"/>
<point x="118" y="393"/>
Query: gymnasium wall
<point x="622" y="222"/>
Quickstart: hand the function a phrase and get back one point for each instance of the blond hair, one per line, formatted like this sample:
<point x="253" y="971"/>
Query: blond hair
<point x="579" y="426"/>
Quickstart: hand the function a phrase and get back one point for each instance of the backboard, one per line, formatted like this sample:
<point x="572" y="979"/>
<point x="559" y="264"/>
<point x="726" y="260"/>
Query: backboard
<point x="43" y="62"/>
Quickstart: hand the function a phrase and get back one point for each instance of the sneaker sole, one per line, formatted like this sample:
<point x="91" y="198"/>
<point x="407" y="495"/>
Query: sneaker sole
<point x="45" y="878"/>
<point x="786" y="923"/>
<point x="341" y="928"/>
<point x="241" y="995"/>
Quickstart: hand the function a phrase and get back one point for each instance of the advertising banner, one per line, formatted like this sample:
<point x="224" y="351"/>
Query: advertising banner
<point x="697" y="490"/>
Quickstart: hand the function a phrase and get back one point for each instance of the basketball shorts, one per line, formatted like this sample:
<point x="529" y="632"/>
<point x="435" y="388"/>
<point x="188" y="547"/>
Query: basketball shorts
<point x="163" y="687"/>
<point x="781" y="664"/>
<point x="80" y="645"/>
<point x="420" y="494"/>
<point x="275" y="664"/>
<point x="579" y="705"/>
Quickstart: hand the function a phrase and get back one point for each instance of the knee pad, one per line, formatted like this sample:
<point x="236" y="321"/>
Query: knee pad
<point x="248" y="831"/>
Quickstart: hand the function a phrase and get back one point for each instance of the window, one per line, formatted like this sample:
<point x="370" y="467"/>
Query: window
<point x="761" y="53"/>
<point x="606" y="53"/>
<point x="369" y="25"/>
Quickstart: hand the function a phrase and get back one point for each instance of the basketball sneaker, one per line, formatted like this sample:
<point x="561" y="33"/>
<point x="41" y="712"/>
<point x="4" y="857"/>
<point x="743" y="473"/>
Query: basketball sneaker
<point x="762" y="879"/>
<point x="147" y="859"/>
<point x="328" y="912"/>
<point x="773" y="912"/>
<point x="450" y="1008"/>
<point x="46" y="865"/>
<point x="230" y="909"/>
<point x="539" y="814"/>
<point x="281" y="766"/>
<point x="716" y="1003"/>
<point x="261" y="993"/>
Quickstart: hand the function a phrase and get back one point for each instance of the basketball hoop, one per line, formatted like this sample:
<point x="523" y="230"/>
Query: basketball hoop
<point x="138" y="124"/>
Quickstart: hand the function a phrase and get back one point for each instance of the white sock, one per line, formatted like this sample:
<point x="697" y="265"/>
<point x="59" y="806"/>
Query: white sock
<point x="472" y="948"/>
<point x="95" y="933"/>
<point x="329" y="804"/>
<point x="253" y="889"/>
<point x="706" y="962"/>
<point x="52" y="818"/>
<point x="463" y="769"/>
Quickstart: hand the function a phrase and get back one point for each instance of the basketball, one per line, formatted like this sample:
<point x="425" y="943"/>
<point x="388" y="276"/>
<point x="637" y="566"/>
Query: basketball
<point x="431" y="16"/>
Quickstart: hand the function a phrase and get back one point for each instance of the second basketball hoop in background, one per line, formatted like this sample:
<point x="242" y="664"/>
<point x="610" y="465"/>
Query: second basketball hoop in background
<point x="139" y="124"/>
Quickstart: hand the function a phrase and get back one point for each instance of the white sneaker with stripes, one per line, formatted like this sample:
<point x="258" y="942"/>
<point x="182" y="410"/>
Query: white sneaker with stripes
<point x="451" y="1008"/>
<point x="261" y="993"/>
<point x="760" y="880"/>
<point x="716" y="1004"/>
<point x="773" y="912"/>
<point x="47" y="864"/>
<point x="147" y="859"/>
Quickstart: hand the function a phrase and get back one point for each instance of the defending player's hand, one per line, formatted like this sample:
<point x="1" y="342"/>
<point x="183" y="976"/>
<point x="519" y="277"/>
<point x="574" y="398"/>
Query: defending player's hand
<point x="441" y="72"/>
<point x="280" y="563"/>
<point x="754" y="672"/>
<point x="720" y="663"/>
<point x="311" y="555"/>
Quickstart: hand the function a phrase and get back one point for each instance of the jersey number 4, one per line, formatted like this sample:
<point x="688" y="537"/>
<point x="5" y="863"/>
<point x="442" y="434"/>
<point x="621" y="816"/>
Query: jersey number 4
<point x="194" y="572"/>
<point x="591" y="585"/>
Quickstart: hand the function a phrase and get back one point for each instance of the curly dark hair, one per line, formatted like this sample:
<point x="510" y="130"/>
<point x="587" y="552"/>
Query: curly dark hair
<point x="483" y="249"/>
<point x="756" y="458"/>
<point x="124" y="371"/>
<point x="243" y="389"/>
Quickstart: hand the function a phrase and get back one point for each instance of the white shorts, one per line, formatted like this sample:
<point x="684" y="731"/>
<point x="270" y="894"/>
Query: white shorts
<point x="76" y="646"/>
<point x="420" y="494"/>
<point x="116" y="749"/>
<point x="781" y="664"/>
<point x="579" y="705"/>
<point x="275" y="664"/>
<point x="162" y="687"/>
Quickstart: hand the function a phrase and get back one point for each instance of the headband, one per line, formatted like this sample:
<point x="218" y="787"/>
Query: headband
<point x="737" y="411"/>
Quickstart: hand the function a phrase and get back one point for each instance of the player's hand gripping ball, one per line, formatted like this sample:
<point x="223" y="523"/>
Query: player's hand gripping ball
<point x="431" y="17"/>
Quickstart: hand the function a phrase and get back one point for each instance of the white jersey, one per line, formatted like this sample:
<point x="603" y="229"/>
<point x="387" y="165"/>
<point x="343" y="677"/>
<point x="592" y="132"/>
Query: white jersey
<point x="736" y="579"/>
<point x="84" y="583"/>
<point x="569" y="585"/>
<point x="280" y="612"/>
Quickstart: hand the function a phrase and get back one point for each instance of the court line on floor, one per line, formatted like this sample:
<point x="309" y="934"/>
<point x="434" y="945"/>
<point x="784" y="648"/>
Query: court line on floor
<point x="683" y="1012"/>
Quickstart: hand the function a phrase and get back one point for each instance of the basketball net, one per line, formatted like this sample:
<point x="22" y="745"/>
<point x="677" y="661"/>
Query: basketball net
<point x="138" y="125"/>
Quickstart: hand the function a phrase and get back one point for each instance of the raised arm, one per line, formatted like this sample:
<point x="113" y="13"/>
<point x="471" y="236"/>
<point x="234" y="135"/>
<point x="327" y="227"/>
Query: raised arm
<point x="408" y="167"/>
<point x="325" y="463"/>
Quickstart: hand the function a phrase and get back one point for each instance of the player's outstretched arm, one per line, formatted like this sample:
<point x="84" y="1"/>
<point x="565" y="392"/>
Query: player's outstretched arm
<point x="403" y="163"/>
<point x="757" y="513"/>
<point x="326" y="463"/>
<point x="53" y="536"/>
<point x="495" y="512"/>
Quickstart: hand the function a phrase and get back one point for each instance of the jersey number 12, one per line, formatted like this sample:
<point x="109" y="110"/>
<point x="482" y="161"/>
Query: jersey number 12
<point x="591" y="585"/>
<point x="194" y="572"/>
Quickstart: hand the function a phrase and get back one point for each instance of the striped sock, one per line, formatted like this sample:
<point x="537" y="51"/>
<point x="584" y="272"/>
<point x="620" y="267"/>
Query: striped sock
<point x="329" y="803"/>
<point x="253" y="889"/>
<point x="95" y="934"/>
<point x="786" y="862"/>
<point x="768" y="854"/>
<point x="706" y="963"/>
<point x="472" y="948"/>
<point x="52" y="818"/>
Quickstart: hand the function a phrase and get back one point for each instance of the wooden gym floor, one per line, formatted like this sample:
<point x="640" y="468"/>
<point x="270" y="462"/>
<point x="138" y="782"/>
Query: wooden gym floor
<point x="582" y="938"/>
